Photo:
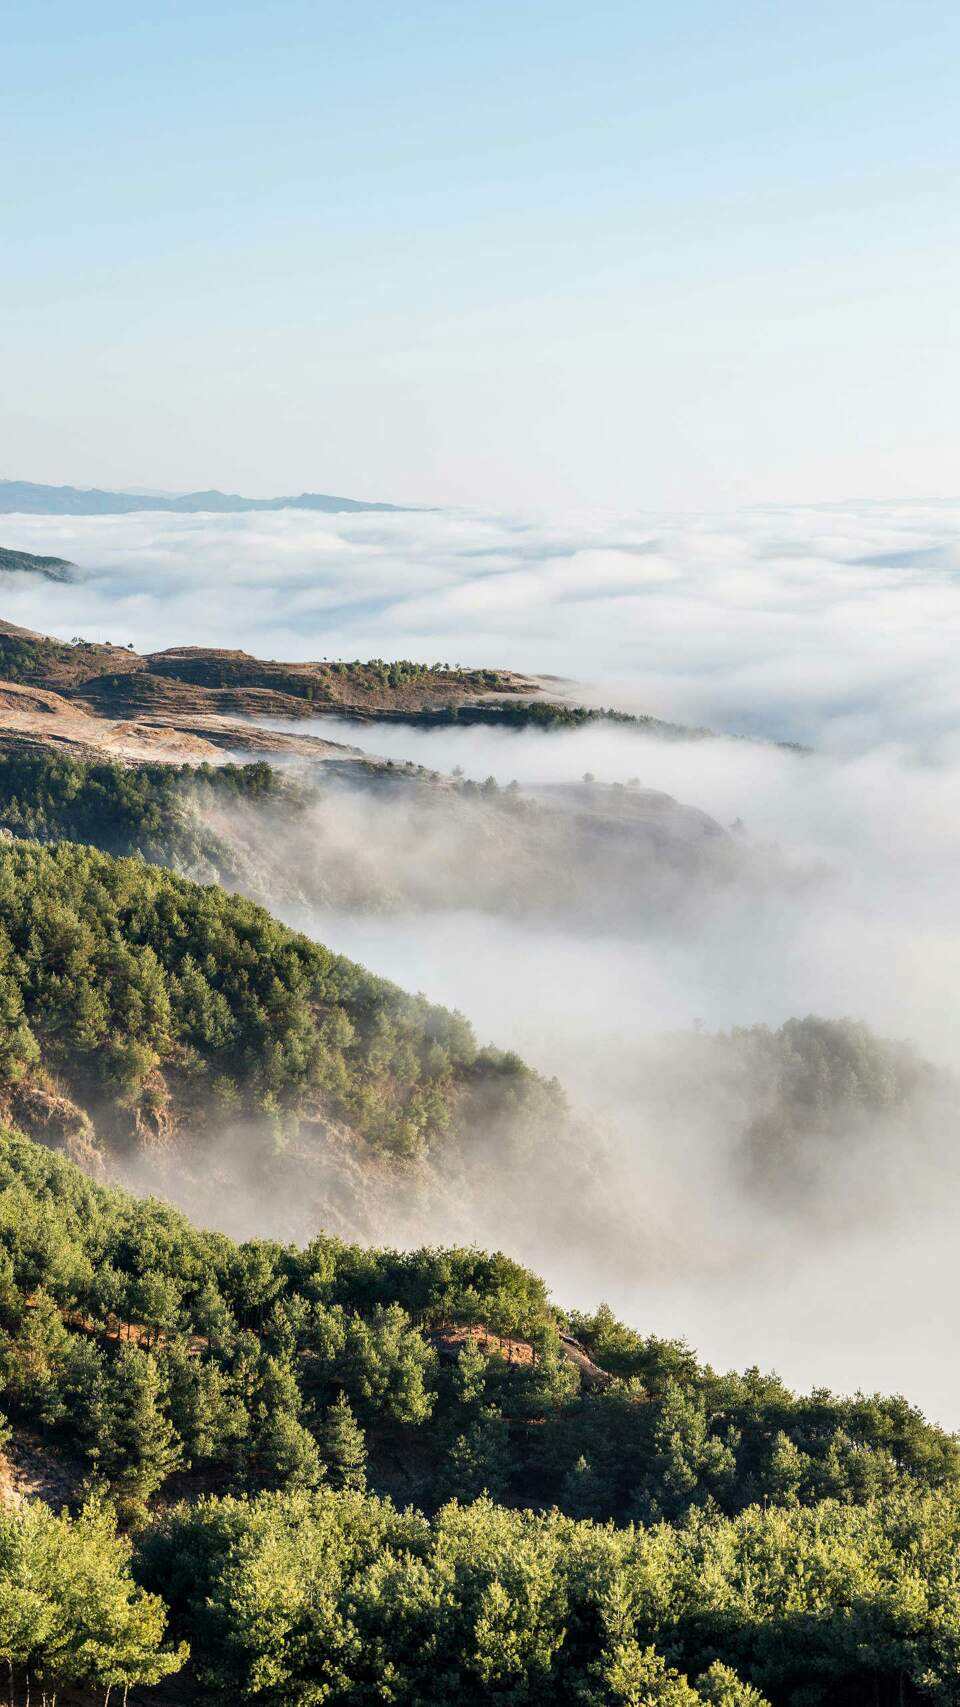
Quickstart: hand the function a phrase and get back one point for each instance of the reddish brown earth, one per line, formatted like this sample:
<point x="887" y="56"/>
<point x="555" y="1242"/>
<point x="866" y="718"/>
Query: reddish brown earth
<point x="186" y="680"/>
<point x="194" y="704"/>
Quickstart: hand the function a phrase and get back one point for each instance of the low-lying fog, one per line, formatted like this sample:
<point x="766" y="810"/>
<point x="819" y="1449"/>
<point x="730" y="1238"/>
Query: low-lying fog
<point x="835" y="628"/>
<point x="851" y="913"/>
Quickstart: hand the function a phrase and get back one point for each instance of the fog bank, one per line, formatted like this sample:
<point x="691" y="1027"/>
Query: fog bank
<point x="824" y="625"/>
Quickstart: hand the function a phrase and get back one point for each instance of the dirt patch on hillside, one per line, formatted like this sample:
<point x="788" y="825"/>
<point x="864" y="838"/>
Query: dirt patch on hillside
<point x="32" y="1469"/>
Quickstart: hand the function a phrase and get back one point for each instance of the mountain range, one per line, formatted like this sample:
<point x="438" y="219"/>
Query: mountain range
<point x="26" y="497"/>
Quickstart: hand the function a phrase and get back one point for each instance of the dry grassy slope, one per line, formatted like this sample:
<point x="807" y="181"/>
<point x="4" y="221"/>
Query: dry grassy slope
<point x="32" y="717"/>
<point x="112" y="679"/>
<point x="41" y="718"/>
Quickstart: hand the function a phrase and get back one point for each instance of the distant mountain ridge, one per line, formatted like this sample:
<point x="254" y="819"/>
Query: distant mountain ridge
<point x="26" y="497"/>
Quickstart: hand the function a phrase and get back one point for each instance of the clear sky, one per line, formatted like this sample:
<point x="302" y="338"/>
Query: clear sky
<point x="502" y="254"/>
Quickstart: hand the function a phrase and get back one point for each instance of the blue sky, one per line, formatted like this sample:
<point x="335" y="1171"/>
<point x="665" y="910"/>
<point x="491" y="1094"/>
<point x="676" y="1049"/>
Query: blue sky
<point x="524" y="256"/>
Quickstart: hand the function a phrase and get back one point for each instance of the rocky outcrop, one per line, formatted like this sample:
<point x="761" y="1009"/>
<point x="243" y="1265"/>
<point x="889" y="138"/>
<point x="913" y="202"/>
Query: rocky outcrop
<point x="54" y="1119"/>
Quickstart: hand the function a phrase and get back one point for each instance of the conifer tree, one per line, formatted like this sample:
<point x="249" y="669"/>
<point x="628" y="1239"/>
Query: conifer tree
<point x="141" y="1447"/>
<point x="343" y="1447"/>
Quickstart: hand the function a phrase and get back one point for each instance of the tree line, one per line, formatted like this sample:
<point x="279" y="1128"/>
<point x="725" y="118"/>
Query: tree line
<point x="156" y="812"/>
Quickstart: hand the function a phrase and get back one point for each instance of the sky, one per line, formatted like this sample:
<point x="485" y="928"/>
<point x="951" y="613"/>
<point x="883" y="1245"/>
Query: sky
<point x="496" y="256"/>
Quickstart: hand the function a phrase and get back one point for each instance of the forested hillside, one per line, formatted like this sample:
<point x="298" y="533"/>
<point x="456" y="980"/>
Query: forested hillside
<point x="370" y="834"/>
<point x="193" y="1046"/>
<point x="27" y="563"/>
<point x="155" y="810"/>
<point x="303" y="1405"/>
<point x="158" y="1002"/>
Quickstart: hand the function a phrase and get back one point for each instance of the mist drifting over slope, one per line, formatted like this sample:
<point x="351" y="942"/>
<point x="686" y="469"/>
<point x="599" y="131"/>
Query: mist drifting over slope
<point x="843" y="905"/>
<point x="839" y="893"/>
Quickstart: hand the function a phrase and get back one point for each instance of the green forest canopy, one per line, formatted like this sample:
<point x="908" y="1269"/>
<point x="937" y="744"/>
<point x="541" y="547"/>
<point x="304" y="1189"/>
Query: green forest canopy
<point x="793" y="1546"/>
<point x="149" y="995"/>
<point x="155" y="811"/>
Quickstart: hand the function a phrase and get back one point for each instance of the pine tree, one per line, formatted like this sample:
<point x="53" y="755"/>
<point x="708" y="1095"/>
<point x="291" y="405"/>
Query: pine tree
<point x="721" y="1687"/>
<point x="479" y="1462"/>
<point x="584" y="1493"/>
<point x="343" y="1447"/>
<point x="140" y="1447"/>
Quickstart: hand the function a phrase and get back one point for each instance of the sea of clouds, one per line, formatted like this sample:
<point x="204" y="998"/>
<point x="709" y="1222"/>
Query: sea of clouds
<point x="832" y="627"/>
<point x="829" y="625"/>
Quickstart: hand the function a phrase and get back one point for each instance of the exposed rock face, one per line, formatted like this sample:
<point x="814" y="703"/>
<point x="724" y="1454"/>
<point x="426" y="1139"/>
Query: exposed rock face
<point x="591" y="1373"/>
<point x="451" y="1340"/>
<point x="54" y="1119"/>
<point x="154" y="1120"/>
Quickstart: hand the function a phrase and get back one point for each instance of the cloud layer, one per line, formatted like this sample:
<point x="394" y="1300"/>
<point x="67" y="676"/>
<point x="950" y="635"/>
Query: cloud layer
<point x="828" y="625"/>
